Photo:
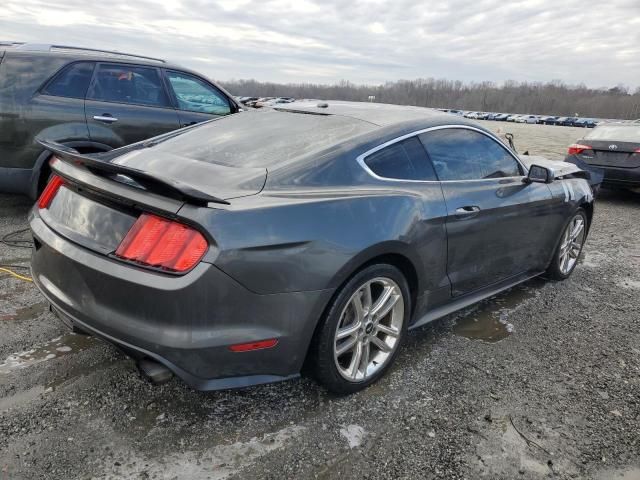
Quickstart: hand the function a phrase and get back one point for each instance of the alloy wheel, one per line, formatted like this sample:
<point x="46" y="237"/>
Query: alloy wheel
<point x="369" y="329"/>
<point x="571" y="245"/>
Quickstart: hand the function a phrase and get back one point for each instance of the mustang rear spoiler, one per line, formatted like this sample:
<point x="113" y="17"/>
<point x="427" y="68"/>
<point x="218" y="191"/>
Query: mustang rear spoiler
<point x="187" y="192"/>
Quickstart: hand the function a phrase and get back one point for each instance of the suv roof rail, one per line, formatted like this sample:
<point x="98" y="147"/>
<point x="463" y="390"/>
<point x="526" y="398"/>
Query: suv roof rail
<point x="8" y="43"/>
<point x="38" y="47"/>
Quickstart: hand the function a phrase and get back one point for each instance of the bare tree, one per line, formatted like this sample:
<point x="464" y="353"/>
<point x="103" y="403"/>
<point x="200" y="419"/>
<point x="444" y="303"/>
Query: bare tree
<point x="551" y="98"/>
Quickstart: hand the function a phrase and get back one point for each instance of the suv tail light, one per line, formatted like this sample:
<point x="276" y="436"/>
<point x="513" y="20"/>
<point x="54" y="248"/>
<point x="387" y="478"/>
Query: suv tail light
<point x="637" y="150"/>
<point x="162" y="243"/>
<point x="50" y="191"/>
<point x="577" y="148"/>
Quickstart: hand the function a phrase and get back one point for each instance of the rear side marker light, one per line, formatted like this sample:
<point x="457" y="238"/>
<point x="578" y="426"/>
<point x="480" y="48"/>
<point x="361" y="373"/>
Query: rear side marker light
<point x="247" y="347"/>
<point x="577" y="148"/>
<point x="159" y="242"/>
<point x="50" y="191"/>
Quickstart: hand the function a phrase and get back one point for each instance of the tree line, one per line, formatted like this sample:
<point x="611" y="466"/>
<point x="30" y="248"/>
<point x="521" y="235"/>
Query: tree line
<point x="551" y="98"/>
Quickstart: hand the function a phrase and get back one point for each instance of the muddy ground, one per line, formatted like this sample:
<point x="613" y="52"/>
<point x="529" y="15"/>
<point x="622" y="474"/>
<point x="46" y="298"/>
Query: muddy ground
<point x="542" y="381"/>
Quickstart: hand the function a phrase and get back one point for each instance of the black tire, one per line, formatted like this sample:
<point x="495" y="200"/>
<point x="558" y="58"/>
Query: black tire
<point x="322" y="359"/>
<point x="555" y="271"/>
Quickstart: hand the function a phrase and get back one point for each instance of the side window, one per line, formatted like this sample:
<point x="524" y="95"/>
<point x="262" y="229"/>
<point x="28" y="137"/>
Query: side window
<point x="128" y="84"/>
<point x="461" y="154"/>
<point x="194" y="95"/>
<point x="71" y="82"/>
<point x="405" y="160"/>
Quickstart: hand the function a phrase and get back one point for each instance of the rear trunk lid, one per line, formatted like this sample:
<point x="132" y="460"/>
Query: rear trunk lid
<point x="219" y="181"/>
<point x="101" y="198"/>
<point x="607" y="153"/>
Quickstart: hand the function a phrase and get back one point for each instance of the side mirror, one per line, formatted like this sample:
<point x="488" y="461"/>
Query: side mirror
<point x="539" y="174"/>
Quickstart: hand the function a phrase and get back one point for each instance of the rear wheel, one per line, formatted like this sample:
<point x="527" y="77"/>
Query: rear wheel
<point x="363" y="329"/>
<point x="570" y="247"/>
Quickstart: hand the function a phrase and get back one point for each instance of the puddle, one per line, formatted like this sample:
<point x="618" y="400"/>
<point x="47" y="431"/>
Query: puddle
<point x="489" y="320"/>
<point x="20" y="398"/>
<point x="25" y="313"/>
<point x="58" y="347"/>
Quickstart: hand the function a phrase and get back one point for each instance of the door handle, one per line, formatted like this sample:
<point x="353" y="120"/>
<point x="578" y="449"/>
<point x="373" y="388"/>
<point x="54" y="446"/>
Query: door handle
<point x="105" y="117"/>
<point x="467" y="210"/>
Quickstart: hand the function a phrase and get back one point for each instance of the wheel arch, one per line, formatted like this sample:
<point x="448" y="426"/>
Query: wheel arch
<point x="587" y="206"/>
<point x="396" y="254"/>
<point x="41" y="170"/>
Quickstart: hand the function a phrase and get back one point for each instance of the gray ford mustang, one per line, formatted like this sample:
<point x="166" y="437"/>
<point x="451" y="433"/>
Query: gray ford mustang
<point x="238" y="251"/>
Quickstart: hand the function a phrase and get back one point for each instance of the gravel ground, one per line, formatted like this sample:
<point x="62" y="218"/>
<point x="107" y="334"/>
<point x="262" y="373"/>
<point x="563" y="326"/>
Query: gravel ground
<point x="541" y="381"/>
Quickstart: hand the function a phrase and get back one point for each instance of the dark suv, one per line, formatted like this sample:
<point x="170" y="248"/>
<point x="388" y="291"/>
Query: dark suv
<point x="90" y="100"/>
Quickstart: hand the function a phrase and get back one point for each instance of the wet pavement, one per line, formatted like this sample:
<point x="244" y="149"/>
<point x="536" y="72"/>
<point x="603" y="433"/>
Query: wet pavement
<point x="541" y="381"/>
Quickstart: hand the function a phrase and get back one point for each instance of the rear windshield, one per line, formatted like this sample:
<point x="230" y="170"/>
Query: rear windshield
<point x="619" y="133"/>
<point x="263" y="138"/>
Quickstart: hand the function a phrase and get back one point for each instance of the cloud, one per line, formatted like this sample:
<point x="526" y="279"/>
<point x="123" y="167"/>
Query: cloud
<point x="364" y="41"/>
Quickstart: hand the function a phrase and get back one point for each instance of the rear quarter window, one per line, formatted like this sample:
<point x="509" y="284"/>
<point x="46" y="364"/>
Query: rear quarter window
<point x="404" y="160"/>
<point x="72" y="82"/>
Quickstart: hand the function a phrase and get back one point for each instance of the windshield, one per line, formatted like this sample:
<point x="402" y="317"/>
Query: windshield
<point x="620" y="133"/>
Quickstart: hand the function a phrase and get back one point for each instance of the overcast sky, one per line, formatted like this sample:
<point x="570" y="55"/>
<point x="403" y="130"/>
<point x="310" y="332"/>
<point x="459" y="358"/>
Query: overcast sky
<point x="594" y="42"/>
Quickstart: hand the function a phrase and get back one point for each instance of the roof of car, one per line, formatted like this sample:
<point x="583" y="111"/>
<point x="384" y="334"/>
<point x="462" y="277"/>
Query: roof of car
<point x="380" y="114"/>
<point x="84" y="53"/>
<point x="280" y="135"/>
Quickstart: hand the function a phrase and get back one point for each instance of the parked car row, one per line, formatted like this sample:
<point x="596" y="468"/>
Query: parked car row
<point x="532" y="119"/>
<point x="259" y="102"/>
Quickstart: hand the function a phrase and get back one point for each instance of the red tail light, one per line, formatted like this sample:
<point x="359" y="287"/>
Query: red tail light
<point x="637" y="150"/>
<point x="50" y="191"/>
<point x="158" y="242"/>
<point x="577" y="148"/>
<point x="260" y="345"/>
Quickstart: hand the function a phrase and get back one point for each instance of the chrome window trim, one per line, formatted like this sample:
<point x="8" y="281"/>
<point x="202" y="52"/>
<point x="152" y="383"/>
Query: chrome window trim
<point x="362" y="157"/>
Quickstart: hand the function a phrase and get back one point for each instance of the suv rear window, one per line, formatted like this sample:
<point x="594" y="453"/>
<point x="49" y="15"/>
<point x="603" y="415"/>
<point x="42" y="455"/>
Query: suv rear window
<point x="129" y="84"/>
<point x="71" y="82"/>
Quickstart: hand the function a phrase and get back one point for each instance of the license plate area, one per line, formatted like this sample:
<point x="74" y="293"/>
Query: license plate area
<point x="86" y="221"/>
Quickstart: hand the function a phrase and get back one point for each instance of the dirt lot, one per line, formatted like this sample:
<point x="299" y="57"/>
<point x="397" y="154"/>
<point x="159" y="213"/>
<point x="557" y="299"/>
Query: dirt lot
<point x="542" y="381"/>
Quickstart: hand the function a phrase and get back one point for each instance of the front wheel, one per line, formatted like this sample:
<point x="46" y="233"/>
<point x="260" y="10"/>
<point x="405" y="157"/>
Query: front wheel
<point x="361" y="333"/>
<point x="566" y="257"/>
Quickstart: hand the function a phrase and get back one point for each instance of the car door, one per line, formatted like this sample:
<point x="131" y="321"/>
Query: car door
<point x="196" y="99"/>
<point x="128" y="103"/>
<point x="498" y="226"/>
<point x="403" y="166"/>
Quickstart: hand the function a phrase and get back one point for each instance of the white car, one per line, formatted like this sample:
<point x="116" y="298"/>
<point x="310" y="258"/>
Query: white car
<point x="527" y="119"/>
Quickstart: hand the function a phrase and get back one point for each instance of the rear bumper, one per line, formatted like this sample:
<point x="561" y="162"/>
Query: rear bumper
<point x="186" y="322"/>
<point x="621" y="177"/>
